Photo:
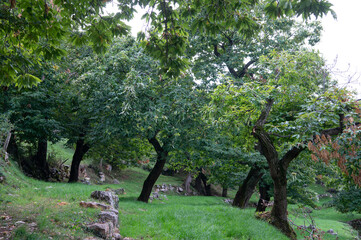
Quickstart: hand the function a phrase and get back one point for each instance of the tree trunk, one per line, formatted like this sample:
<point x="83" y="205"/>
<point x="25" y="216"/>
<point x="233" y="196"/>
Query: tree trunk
<point x="13" y="149"/>
<point x="279" y="211"/>
<point x="224" y="192"/>
<point x="153" y="176"/>
<point x="207" y="187"/>
<point x="201" y="184"/>
<point x="42" y="168"/>
<point x="80" y="150"/>
<point x="264" y="197"/>
<point x="246" y="190"/>
<point x="187" y="183"/>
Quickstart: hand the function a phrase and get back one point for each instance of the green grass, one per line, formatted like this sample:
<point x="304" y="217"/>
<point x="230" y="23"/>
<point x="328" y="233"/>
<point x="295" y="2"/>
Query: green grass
<point x="191" y="218"/>
<point x="326" y="218"/>
<point x="55" y="208"/>
<point x="61" y="151"/>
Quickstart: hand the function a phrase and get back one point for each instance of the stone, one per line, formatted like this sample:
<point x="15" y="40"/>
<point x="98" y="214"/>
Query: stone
<point x="332" y="232"/>
<point x="115" y="181"/>
<point x="108" y="197"/>
<point x="179" y="189"/>
<point x="117" y="236"/>
<point x="155" y="195"/>
<point x="19" y="223"/>
<point x="2" y="178"/>
<point x="103" y="230"/>
<point x="113" y="210"/>
<point x="94" y="205"/>
<point x="108" y="216"/>
<point x="102" y="177"/>
<point x="32" y="225"/>
<point x="228" y="200"/>
<point x="119" y="191"/>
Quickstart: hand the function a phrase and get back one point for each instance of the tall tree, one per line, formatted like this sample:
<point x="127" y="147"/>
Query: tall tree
<point x="281" y="117"/>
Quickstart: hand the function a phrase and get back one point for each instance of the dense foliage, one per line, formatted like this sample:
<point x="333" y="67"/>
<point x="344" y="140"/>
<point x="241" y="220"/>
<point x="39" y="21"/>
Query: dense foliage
<point x="224" y="91"/>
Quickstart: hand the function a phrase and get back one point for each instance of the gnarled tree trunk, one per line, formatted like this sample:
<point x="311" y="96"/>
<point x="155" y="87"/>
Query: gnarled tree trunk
<point x="264" y="197"/>
<point x="153" y="176"/>
<point x="246" y="190"/>
<point x="80" y="150"/>
<point x="278" y="170"/>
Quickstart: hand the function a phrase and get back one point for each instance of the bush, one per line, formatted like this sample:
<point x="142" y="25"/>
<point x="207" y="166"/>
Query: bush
<point x="348" y="201"/>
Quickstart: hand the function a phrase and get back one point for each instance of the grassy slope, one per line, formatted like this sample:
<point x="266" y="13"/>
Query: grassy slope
<point x="327" y="218"/>
<point x="55" y="209"/>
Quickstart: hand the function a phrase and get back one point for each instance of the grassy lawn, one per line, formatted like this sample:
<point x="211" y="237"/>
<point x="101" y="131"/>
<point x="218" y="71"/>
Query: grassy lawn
<point x="54" y="207"/>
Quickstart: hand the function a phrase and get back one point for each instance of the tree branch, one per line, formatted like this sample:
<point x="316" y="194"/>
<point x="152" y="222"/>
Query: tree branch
<point x="245" y="68"/>
<point x="264" y="114"/>
<point x="158" y="148"/>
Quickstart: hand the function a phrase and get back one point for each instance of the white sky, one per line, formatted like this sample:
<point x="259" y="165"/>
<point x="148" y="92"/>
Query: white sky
<point x="341" y="40"/>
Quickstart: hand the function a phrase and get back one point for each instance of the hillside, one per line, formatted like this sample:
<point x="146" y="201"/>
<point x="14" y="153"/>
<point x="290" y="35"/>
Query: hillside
<point x="31" y="209"/>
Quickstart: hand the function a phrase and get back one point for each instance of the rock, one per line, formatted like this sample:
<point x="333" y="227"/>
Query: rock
<point x="228" y="200"/>
<point x="155" y="195"/>
<point x="32" y="225"/>
<point x="119" y="191"/>
<point x="108" y="197"/>
<point x="332" y="232"/>
<point x="103" y="230"/>
<point x="115" y="181"/>
<point x="102" y="177"/>
<point x="116" y="236"/>
<point x="94" y="205"/>
<point x="86" y="181"/>
<point x="113" y="210"/>
<point x="2" y="178"/>
<point x="19" y="223"/>
<point x="108" y="216"/>
<point x="179" y="189"/>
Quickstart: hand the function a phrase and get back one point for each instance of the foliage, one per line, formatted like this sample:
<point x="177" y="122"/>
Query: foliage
<point x="32" y="31"/>
<point x="121" y="154"/>
<point x="348" y="200"/>
<point x="343" y="150"/>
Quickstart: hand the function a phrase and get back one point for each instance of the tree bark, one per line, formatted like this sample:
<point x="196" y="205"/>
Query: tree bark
<point x="264" y="197"/>
<point x="246" y="190"/>
<point x="42" y="168"/>
<point x="187" y="183"/>
<point x="13" y="149"/>
<point x="278" y="170"/>
<point x="207" y="187"/>
<point x="153" y="176"/>
<point x="201" y="184"/>
<point x="80" y="150"/>
<point x="224" y="192"/>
